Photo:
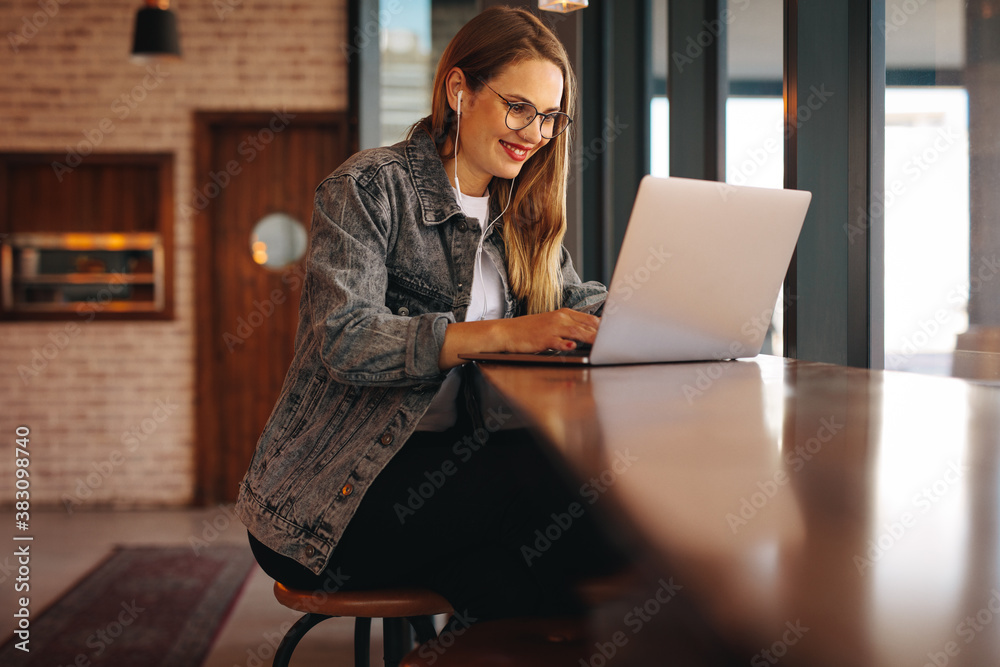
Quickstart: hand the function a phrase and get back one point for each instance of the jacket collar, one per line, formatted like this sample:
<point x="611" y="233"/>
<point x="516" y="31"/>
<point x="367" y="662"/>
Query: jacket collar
<point x="437" y="200"/>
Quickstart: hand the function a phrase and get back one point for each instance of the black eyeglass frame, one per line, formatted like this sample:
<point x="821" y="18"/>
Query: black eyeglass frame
<point x="510" y="105"/>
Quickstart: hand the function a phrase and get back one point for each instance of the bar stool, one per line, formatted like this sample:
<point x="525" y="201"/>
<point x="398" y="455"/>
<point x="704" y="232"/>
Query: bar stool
<point x="396" y="607"/>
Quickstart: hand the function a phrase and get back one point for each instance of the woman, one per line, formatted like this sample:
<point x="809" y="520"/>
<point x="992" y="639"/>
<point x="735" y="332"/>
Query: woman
<point x="378" y="467"/>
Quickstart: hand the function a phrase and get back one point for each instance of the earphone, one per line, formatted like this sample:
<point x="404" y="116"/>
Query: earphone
<point x="458" y="188"/>
<point x="458" y="130"/>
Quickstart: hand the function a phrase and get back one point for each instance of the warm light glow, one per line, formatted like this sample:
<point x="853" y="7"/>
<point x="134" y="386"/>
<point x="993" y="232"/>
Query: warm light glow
<point x="79" y="241"/>
<point x="259" y="250"/>
<point x="562" y="6"/>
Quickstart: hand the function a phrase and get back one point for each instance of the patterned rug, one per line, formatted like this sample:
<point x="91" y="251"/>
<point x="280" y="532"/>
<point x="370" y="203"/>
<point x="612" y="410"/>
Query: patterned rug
<point x="147" y="606"/>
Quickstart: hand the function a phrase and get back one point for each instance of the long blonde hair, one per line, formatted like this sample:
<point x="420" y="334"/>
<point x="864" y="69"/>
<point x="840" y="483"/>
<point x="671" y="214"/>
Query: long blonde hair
<point x="535" y="222"/>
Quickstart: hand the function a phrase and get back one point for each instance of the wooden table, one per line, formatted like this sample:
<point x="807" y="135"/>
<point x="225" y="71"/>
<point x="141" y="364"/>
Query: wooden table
<point x="801" y="513"/>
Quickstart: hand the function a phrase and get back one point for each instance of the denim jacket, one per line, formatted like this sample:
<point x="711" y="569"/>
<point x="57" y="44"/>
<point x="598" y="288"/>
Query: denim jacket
<point x="389" y="267"/>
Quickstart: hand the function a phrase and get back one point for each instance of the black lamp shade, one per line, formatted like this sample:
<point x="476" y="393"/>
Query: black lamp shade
<point x="156" y="33"/>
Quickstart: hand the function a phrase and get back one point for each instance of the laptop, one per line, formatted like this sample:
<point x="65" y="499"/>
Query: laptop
<point x="697" y="277"/>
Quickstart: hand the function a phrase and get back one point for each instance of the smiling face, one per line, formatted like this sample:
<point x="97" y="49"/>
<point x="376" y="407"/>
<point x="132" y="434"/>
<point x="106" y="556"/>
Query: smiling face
<point x="487" y="147"/>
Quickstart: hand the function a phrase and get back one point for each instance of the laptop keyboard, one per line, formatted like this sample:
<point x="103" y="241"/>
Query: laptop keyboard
<point x="581" y="350"/>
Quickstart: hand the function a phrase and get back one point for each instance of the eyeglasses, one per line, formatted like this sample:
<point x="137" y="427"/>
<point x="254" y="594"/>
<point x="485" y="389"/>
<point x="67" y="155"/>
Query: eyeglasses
<point x="522" y="114"/>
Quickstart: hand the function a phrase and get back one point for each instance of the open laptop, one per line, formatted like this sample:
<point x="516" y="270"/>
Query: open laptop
<point x="697" y="277"/>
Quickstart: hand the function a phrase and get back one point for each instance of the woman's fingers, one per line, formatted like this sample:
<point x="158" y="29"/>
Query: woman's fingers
<point x="559" y="329"/>
<point x="580" y="326"/>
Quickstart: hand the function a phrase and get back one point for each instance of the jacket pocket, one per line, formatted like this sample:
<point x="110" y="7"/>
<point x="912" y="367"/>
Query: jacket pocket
<point x="407" y="296"/>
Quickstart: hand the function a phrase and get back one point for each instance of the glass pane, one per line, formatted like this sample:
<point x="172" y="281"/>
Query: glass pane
<point x="755" y="148"/>
<point x="754" y="111"/>
<point x="278" y="240"/>
<point x="407" y="72"/>
<point x="942" y="292"/>
<point x="659" y="136"/>
<point x="413" y="34"/>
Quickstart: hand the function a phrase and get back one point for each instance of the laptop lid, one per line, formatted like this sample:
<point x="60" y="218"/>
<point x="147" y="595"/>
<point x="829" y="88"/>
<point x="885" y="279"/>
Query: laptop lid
<point x="697" y="276"/>
<point x="699" y="271"/>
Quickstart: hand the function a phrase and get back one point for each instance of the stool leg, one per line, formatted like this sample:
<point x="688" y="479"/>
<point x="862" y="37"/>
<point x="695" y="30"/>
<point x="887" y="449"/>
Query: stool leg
<point x="396" y="640"/>
<point x="291" y="639"/>
<point x="362" y="641"/>
<point x="424" y="627"/>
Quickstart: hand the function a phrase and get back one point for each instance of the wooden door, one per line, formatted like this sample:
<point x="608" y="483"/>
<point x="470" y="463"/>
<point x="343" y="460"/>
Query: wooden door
<point x="249" y="165"/>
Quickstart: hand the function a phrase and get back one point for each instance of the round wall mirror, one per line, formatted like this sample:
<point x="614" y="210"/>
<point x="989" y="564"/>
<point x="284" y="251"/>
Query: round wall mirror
<point x="278" y="240"/>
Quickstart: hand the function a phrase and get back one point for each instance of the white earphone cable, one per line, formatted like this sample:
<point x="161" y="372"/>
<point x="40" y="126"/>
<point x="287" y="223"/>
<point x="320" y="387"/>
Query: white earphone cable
<point x="458" y="188"/>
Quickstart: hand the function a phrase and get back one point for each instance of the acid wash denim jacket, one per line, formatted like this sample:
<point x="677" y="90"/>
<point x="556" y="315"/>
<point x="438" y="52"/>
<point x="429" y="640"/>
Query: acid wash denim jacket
<point x="389" y="267"/>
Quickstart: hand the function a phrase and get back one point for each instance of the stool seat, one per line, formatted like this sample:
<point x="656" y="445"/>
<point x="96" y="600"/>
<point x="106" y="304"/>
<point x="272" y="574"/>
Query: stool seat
<point x="514" y="642"/>
<point x="384" y="603"/>
<point x="399" y="609"/>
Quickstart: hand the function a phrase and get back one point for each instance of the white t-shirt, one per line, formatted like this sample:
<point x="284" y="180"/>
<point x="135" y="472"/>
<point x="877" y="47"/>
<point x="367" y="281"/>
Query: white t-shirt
<point x="487" y="303"/>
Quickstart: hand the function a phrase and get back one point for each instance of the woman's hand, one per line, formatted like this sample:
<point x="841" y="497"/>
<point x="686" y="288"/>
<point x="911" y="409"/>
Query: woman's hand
<point x="556" y="330"/>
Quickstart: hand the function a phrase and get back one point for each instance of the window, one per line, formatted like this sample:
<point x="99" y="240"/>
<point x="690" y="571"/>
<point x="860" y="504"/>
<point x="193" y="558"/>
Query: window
<point x="412" y="36"/>
<point x="942" y="288"/>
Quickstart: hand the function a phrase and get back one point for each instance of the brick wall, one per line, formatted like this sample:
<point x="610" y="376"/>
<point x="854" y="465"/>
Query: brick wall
<point x="111" y="406"/>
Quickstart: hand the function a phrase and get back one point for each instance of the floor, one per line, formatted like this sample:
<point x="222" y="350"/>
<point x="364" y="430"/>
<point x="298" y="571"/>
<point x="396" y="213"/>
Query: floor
<point x="67" y="546"/>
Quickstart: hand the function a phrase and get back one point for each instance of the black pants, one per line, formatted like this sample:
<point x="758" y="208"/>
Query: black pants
<point x="494" y="530"/>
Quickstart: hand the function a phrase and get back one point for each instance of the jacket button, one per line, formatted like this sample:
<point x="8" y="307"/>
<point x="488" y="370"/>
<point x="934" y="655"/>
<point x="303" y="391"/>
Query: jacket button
<point x="404" y="311"/>
<point x="386" y="439"/>
<point x="310" y="551"/>
<point x="462" y="226"/>
<point x="347" y="490"/>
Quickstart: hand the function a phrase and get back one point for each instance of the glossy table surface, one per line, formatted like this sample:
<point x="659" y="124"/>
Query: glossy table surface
<point x="811" y="514"/>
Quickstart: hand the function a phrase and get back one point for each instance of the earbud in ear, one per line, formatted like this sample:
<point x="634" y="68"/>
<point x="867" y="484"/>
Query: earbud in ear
<point x="460" y="102"/>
